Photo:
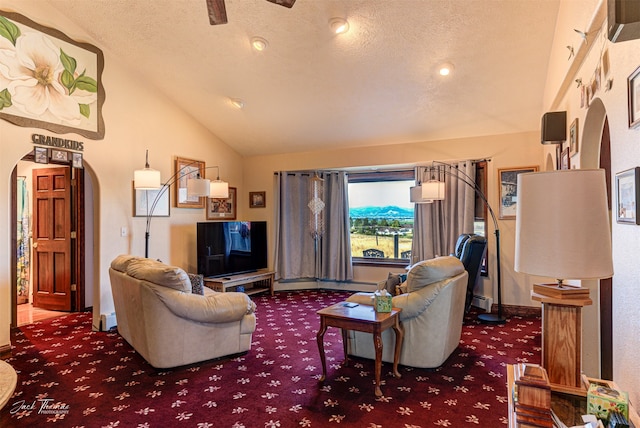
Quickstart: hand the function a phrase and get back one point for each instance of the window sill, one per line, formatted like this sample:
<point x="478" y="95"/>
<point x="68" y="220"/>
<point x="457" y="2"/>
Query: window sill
<point x="396" y="263"/>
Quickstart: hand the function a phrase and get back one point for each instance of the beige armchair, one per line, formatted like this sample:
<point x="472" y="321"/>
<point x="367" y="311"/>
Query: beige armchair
<point x="170" y="321"/>
<point x="432" y="312"/>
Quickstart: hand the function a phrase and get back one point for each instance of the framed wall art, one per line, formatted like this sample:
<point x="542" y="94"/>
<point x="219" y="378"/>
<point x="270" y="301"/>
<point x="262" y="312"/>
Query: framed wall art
<point x="508" y="190"/>
<point x="76" y="160"/>
<point x="185" y="170"/>
<point x="565" y="162"/>
<point x="627" y="195"/>
<point x="257" y="200"/>
<point x="41" y="155"/>
<point x="59" y="155"/>
<point x="143" y="202"/>
<point x="573" y="137"/>
<point x="76" y="96"/>
<point x="222" y="209"/>
<point x="633" y="96"/>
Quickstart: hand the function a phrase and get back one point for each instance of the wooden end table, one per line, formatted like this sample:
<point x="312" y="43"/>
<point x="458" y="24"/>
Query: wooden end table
<point x="361" y="318"/>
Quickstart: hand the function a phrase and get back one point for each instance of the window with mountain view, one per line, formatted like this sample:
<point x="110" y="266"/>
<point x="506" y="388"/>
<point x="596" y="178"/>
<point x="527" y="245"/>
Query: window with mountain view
<point x="381" y="215"/>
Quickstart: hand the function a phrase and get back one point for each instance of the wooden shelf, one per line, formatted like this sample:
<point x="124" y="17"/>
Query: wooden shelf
<point x="256" y="282"/>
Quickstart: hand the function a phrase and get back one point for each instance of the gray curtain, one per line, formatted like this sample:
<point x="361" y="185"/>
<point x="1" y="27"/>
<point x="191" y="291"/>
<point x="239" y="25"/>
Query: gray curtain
<point x="295" y="247"/>
<point x="438" y="225"/>
<point x="335" y="243"/>
<point x="298" y="254"/>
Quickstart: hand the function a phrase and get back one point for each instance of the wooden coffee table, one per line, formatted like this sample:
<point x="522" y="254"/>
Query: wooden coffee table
<point x="361" y="318"/>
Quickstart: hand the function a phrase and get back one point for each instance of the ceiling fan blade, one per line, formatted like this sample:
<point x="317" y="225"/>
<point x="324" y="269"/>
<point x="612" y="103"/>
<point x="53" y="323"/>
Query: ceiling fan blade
<point x="285" y="3"/>
<point x="217" y="12"/>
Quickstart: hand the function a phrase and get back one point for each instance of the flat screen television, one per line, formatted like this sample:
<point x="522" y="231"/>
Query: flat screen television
<point x="231" y="247"/>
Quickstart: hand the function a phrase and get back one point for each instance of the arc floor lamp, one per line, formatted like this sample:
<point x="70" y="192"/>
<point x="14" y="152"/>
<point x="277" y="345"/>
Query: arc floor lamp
<point x="434" y="189"/>
<point x="149" y="179"/>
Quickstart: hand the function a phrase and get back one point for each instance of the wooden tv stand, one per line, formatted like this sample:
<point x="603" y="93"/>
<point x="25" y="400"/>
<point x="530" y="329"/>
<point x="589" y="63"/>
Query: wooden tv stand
<point x="259" y="281"/>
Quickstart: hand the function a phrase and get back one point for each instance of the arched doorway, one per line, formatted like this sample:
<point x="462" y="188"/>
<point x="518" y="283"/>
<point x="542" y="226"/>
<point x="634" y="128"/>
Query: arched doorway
<point x="80" y="240"/>
<point x="596" y="153"/>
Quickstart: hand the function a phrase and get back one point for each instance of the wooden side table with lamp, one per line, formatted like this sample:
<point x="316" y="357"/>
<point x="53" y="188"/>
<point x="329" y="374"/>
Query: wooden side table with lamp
<point x="563" y="232"/>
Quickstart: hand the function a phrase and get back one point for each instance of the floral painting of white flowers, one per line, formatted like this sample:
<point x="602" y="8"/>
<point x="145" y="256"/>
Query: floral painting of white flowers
<point x="48" y="80"/>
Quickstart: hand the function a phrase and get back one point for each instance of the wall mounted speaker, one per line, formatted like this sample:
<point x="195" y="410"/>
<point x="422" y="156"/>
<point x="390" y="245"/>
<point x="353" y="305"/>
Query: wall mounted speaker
<point x="554" y="127"/>
<point x="623" y="20"/>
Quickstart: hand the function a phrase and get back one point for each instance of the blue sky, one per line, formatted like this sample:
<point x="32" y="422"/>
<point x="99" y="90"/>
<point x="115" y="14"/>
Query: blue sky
<point x="380" y="194"/>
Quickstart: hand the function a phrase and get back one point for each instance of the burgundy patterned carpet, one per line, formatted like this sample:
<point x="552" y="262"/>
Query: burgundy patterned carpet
<point x="70" y="376"/>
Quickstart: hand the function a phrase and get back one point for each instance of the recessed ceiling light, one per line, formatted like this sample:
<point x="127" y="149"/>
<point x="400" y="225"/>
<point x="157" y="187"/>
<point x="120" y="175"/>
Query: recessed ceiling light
<point x="237" y="103"/>
<point x="339" y="25"/>
<point x="259" y="44"/>
<point x="446" y="69"/>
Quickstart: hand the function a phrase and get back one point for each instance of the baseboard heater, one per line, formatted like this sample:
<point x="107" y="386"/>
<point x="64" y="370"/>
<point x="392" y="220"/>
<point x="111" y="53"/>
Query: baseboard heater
<point x="482" y="302"/>
<point x="107" y="321"/>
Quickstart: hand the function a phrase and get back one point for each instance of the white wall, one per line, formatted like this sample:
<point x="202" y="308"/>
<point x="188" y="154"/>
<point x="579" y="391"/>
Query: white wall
<point x="624" y="58"/>
<point x="136" y="117"/>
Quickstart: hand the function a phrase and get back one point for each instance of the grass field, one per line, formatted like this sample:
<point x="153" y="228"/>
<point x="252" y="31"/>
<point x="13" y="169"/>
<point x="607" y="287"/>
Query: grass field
<point x="383" y="243"/>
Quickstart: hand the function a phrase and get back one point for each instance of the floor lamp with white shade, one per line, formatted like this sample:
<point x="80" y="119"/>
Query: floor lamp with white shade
<point x="149" y="179"/>
<point x="435" y="190"/>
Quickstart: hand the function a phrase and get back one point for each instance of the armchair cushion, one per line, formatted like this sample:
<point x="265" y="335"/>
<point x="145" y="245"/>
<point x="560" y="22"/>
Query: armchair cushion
<point x="121" y="263"/>
<point x="213" y="308"/>
<point x="159" y="273"/>
<point x="433" y="270"/>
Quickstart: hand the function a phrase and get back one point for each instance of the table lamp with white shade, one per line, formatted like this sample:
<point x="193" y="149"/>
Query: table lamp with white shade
<point x="563" y="231"/>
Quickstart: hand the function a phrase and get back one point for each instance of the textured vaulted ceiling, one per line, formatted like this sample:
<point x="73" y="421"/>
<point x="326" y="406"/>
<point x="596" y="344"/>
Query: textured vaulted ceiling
<point x="376" y="84"/>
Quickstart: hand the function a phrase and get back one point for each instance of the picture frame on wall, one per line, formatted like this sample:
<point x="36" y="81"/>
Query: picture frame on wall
<point x="573" y="138"/>
<point x="224" y="208"/>
<point x="565" y="159"/>
<point x="79" y="95"/>
<point x="76" y="160"/>
<point x="143" y="202"/>
<point x="41" y="155"/>
<point x="627" y="195"/>
<point x="633" y="96"/>
<point x="59" y="155"/>
<point x="187" y="169"/>
<point x="257" y="200"/>
<point x="508" y="190"/>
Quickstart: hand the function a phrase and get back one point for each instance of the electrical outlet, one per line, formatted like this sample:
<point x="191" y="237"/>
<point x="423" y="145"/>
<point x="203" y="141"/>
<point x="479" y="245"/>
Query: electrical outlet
<point x="123" y="231"/>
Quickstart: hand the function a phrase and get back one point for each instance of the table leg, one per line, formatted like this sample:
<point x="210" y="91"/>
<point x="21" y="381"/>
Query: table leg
<point x="377" y="343"/>
<point x="320" y="338"/>
<point x="397" y="327"/>
<point x="344" y="346"/>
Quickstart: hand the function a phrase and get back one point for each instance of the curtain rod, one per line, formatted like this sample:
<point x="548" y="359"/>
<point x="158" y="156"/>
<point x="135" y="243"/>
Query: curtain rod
<point x="450" y="162"/>
<point x="307" y="171"/>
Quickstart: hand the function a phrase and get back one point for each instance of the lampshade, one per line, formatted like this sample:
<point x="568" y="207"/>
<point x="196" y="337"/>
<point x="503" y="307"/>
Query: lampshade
<point x="219" y="189"/>
<point x="415" y="195"/>
<point x="146" y="179"/>
<point x="198" y="186"/>
<point x="433" y="190"/>
<point x="562" y="225"/>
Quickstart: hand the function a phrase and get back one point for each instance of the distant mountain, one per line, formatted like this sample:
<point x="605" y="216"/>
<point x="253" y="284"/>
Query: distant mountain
<point x="381" y="212"/>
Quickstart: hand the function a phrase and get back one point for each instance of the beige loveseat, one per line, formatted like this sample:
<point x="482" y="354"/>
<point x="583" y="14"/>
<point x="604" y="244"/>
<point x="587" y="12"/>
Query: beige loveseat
<point x="168" y="324"/>
<point x="432" y="311"/>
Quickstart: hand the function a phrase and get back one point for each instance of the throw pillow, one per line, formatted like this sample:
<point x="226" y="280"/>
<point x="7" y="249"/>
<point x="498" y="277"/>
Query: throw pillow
<point x="393" y="280"/>
<point x="197" y="283"/>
